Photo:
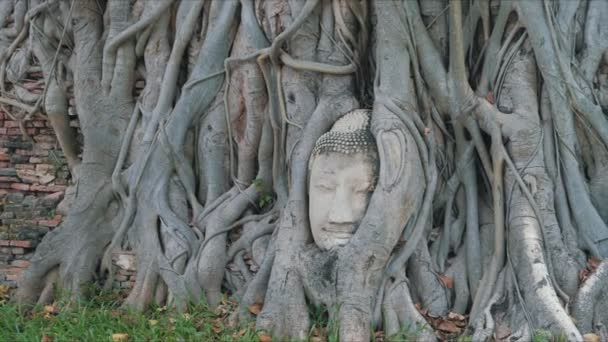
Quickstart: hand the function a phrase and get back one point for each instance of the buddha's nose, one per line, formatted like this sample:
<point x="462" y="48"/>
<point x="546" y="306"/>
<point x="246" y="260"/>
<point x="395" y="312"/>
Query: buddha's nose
<point x="341" y="211"/>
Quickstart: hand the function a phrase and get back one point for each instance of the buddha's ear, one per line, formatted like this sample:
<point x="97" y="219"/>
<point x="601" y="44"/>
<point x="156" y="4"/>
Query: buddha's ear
<point x="392" y="147"/>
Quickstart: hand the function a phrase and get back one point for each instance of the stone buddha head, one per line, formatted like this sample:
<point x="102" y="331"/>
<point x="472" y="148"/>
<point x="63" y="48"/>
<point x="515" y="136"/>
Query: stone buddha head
<point x="343" y="172"/>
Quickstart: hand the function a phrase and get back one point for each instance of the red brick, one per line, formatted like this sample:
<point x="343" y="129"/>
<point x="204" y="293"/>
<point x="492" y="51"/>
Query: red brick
<point x="3" y="131"/>
<point x="5" y="179"/>
<point x="3" y="164"/>
<point x="20" y="263"/>
<point x="31" y="131"/>
<point x="50" y="223"/>
<point x="20" y="186"/>
<point x="4" y="156"/>
<point x="38" y="123"/>
<point x="13" y="131"/>
<point x="22" y="243"/>
<point x="11" y="124"/>
<point x="5" y="242"/>
<point x="49" y="188"/>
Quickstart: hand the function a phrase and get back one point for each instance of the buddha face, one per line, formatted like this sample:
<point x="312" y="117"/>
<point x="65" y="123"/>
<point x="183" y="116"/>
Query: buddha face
<point x="339" y="191"/>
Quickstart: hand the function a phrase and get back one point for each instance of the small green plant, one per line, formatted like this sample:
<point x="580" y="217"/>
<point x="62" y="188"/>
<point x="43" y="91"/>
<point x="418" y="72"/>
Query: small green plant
<point x="541" y="336"/>
<point x="265" y="199"/>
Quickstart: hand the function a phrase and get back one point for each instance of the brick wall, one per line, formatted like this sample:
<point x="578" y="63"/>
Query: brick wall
<point x="33" y="179"/>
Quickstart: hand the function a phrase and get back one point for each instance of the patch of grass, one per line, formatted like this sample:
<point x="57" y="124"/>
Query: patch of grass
<point x="100" y="318"/>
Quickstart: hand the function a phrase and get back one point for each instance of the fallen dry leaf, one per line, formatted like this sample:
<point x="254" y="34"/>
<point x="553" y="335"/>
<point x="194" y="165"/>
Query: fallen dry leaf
<point x="448" y="326"/>
<point x="120" y="337"/>
<point x="591" y="338"/>
<point x="255" y="308"/>
<point x="239" y="333"/>
<point x="153" y="322"/>
<point x="216" y="325"/>
<point x="49" y="311"/>
<point x="3" y="292"/>
<point x="455" y="316"/>
<point x="265" y="338"/>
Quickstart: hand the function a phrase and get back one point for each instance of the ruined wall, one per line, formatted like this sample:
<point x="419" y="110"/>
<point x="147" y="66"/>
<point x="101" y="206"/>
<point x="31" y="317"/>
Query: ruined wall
<point x="33" y="179"/>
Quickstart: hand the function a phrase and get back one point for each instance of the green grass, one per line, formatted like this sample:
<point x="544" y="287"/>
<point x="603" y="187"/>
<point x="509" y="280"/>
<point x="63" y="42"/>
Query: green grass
<point x="99" y="318"/>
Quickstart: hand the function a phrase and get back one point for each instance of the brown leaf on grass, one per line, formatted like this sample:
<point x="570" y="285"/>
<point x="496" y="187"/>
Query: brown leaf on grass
<point x="46" y="338"/>
<point x="265" y="338"/>
<point x="49" y="311"/>
<point x="3" y="292"/>
<point x="239" y="333"/>
<point x="256" y="308"/>
<point x="120" y="337"/>
<point x="449" y="327"/>
<point x="591" y="338"/>
<point x="447" y="282"/>
<point x="216" y="325"/>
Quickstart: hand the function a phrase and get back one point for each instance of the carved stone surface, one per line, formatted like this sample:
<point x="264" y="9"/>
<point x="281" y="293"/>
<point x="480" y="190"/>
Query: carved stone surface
<point x="343" y="174"/>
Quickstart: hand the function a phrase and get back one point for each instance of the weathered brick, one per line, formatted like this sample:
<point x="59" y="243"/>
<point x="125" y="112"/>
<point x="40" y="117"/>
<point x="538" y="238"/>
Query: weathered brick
<point x="18" y="250"/>
<point x="19" y="159"/>
<point x="20" y="263"/>
<point x="13" y="131"/>
<point x="13" y="277"/>
<point x="48" y="188"/>
<point x="7" y="215"/>
<point x="44" y="168"/>
<point x="4" y="179"/>
<point x="23" y="243"/>
<point x="54" y="222"/>
<point x="9" y="172"/>
<point x="38" y="160"/>
<point x="15" y="197"/>
<point x="5" y="243"/>
<point x="4" y="156"/>
<point x="120" y="277"/>
<point x="24" y="152"/>
<point x="24" y="167"/>
<point x="16" y="144"/>
<point x="20" y="186"/>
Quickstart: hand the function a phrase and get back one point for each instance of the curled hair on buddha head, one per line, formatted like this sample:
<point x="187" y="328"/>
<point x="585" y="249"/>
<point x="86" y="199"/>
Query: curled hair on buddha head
<point x="350" y="134"/>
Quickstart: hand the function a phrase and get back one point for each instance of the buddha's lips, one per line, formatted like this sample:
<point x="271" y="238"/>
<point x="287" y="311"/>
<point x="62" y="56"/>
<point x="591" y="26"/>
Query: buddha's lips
<point x="340" y="231"/>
